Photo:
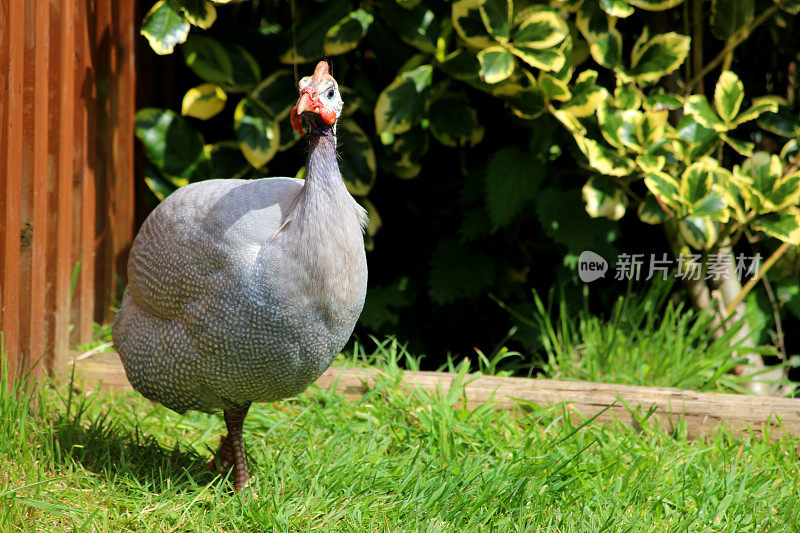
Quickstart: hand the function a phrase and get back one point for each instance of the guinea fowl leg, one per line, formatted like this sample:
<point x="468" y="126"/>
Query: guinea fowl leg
<point x="223" y="459"/>
<point x="231" y="448"/>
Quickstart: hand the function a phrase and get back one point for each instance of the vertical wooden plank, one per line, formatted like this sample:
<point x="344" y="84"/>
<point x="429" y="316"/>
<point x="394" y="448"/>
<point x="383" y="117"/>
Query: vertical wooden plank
<point x="53" y="138"/>
<point x="27" y="183"/>
<point x="104" y="49"/>
<point x="11" y="193"/>
<point x="125" y="24"/>
<point x="84" y="250"/>
<point x="5" y="55"/>
<point x="36" y="342"/>
<point x="4" y="60"/>
<point x="64" y="187"/>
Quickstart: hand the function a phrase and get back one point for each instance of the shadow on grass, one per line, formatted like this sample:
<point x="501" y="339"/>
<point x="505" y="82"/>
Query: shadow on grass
<point x="125" y="455"/>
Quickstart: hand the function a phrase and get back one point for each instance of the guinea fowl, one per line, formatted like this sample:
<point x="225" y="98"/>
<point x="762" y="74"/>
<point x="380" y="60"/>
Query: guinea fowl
<point x="243" y="291"/>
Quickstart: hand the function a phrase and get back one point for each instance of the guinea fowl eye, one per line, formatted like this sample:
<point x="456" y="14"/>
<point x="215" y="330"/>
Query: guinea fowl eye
<point x="330" y="93"/>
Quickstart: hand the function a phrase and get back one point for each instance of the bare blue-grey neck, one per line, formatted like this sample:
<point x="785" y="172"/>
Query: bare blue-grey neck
<point x="322" y="172"/>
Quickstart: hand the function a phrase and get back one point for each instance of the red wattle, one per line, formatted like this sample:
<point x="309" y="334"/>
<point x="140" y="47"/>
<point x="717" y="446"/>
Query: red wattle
<point x="327" y="115"/>
<point x="297" y="122"/>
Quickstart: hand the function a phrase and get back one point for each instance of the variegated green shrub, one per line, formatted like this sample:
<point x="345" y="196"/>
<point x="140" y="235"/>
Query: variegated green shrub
<point x="626" y="80"/>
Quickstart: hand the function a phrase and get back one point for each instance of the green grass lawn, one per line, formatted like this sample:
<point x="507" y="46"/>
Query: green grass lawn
<point x="109" y="462"/>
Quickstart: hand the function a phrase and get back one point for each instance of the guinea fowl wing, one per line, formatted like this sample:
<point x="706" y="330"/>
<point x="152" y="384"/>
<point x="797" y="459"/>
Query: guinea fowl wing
<point x="201" y="231"/>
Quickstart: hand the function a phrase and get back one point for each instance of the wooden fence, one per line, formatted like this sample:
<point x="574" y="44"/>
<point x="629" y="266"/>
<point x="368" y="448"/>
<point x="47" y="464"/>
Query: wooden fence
<point x="66" y="171"/>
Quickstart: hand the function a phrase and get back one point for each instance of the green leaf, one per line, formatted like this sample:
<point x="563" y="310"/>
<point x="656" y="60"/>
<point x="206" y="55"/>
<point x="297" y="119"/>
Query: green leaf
<point x="728" y="95"/>
<point x="665" y="188"/>
<point x="356" y="158"/>
<point x="400" y="105"/>
<point x="512" y="180"/>
<point x="278" y="93"/>
<point x="764" y="186"/>
<point x="697" y="107"/>
<point x="782" y="120"/>
<point x="650" y="163"/>
<point x="756" y="178"/>
<point x="607" y="49"/>
<point x="497" y="64"/>
<point x="695" y="184"/>
<point x="496" y="15"/>
<point x="616" y="8"/>
<point x="626" y="96"/>
<point x="526" y="101"/>
<point x="170" y="142"/>
<point x="551" y="60"/>
<point x="553" y="88"/>
<point x="639" y="131"/>
<point x="784" y="226"/>
<point x="245" y="72"/>
<point x="790" y="6"/>
<point x="204" y="101"/>
<point x="660" y="101"/>
<point x="592" y="21"/>
<point x="222" y="160"/>
<point x="208" y="59"/>
<point x="786" y="192"/>
<point x="698" y="141"/>
<point x="659" y="56"/>
<point x="462" y="65"/>
<point x="468" y="22"/>
<point x="698" y="232"/>
<point x="419" y="27"/>
<point x="629" y="132"/>
<point x="165" y="27"/>
<point x="257" y="131"/>
<point x="453" y="122"/>
<point x="407" y="149"/>
<point x="610" y="120"/>
<point x="700" y="191"/>
<point x="765" y="104"/>
<point x="742" y="147"/>
<point x="654" y="5"/>
<point x="345" y="35"/>
<point x="651" y="212"/>
<point x="728" y="17"/>
<point x="569" y="121"/>
<point x="541" y="29"/>
<point x="586" y="95"/>
<point x="604" y="198"/>
<point x="199" y="13"/>
<point x="158" y="185"/>
<point x="602" y="159"/>
<point x="308" y="42"/>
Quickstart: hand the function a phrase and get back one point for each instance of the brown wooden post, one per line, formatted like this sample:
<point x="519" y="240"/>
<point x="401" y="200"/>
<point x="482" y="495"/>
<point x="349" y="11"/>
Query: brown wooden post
<point x="13" y="23"/>
<point x="64" y="190"/>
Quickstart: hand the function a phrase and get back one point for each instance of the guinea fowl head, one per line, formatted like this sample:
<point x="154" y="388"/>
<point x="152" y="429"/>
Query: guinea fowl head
<point x="320" y="102"/>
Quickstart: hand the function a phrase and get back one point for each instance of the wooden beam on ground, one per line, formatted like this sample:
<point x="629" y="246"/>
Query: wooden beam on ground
<point x="701" y="412"/>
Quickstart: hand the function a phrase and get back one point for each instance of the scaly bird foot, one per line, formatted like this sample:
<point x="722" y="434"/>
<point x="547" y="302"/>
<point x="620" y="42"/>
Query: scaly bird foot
<point x="223" y="460"/>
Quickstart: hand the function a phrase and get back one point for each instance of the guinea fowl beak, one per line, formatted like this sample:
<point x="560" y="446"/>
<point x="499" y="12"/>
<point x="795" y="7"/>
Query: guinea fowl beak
<point x="306" y="103"/>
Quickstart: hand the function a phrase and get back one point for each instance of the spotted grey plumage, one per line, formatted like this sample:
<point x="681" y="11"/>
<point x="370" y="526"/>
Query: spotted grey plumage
<point x="244" y="291"/>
